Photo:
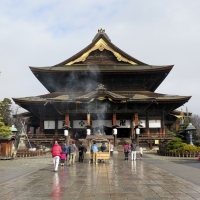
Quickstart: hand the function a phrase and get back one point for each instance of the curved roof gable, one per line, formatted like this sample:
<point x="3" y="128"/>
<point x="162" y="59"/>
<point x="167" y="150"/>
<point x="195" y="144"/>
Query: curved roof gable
<point x="101" y="42"/>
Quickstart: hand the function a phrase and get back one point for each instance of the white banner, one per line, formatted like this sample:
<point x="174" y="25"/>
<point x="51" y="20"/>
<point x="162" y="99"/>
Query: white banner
<point x="142" y="123"/>
<point x="124" y="123"/>
<point x="79" y="123"/>
<point x="61" y="123"/>
<point x="97" y="123"/>
<point x="154" y="124"/>
<point x="49" y="124"/>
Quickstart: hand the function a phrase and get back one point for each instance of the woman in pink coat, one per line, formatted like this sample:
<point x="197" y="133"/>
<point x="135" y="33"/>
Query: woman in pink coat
<point x="56" y="151"/>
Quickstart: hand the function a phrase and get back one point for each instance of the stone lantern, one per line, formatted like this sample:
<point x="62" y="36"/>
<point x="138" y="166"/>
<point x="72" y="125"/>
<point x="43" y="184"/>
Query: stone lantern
<point x="189" y="130"/>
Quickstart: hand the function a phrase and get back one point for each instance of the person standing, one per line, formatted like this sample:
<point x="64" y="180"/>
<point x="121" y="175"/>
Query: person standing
<point x="72" y="153"/>
<point x="126" y="150"/>
<point x="67" y="153"/>
<point x="81" y="150"/>
<point x="111" y="149"/>
<point x="103" y="147"/>
<point x="56" y="151"/>
<point x="76" y="136"/>
<point x="63" y="155"/>
<point x="141" y="153"/>
<point x="94" y="152"/>
<point x="133" y="151"/>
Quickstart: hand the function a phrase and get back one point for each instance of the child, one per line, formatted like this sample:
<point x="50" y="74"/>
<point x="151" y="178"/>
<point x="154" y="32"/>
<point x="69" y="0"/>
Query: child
<point x="141" y="153"/>
<point x="62" y="156"/>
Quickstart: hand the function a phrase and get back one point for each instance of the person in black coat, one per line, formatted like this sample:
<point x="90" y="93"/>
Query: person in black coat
<point x="103" y="147"/>
<point x="81" y="150"/>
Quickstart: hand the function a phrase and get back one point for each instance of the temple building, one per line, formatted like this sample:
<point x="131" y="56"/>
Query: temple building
<point x="101" y="88"/>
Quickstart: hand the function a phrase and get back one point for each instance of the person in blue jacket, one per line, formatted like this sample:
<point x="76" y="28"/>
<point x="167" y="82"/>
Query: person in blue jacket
<point x="94" y="152"/>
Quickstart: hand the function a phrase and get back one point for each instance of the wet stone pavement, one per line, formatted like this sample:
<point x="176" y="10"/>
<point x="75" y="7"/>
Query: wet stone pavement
<point x="149" y="179"/>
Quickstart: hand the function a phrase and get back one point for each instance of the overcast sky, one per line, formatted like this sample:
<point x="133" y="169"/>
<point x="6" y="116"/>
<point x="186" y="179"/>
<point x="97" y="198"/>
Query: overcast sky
<point x="44" y="33"/>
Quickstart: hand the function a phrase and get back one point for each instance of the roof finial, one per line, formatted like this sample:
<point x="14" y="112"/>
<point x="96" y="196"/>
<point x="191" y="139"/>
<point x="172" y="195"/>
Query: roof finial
<point x="101" y="30"/>
<point x="100" y="33"/>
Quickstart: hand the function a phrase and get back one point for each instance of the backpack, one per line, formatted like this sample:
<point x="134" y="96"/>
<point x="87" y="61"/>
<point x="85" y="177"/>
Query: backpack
<point x="66" y="149"/>
<point x="127" y="149"/>
<point x="72" y="148"/>
<point x="63" y="149"/>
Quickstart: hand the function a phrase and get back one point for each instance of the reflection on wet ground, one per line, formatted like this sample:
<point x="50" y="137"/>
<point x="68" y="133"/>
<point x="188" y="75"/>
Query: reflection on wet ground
<point x="115" y="179"/>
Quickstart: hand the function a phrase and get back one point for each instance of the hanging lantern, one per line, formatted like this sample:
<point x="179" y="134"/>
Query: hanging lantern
<point x="114" y="131"/>
<point x="137" y="131"/>
<point x="88" y="131"/>
<point x="66" y="132"/>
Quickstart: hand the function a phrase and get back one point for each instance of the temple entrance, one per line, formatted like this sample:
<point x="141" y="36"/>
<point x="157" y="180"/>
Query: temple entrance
<point x="123" y="133"/>
<point x="79" y="133"/>
<point x="104" y="130"/>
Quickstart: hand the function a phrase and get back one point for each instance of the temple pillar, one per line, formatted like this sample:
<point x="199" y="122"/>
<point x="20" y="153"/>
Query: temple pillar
<point x="136" y="119"/>
<point x="163" y="124"/>
<point x="132" y="129"/>
<point x="150" y="144"/>
<point x="147" y="125"/>
<point x="114" y="123"/>
<point x="67" y="119"/>
<point x="88" y="126"/>
<point x="67" y="124"/>
<point x="136" y="124"/>
<point x="88" y="119"/>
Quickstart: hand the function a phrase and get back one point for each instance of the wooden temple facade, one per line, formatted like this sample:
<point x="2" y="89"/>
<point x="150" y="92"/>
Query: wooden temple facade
<point x="101" y="87"/>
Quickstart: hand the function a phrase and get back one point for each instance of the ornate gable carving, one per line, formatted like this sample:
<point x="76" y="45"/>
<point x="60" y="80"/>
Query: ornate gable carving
<point x="101" y="45"/>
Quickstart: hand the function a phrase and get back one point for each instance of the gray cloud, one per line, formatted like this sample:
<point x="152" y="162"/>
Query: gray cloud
<point x="34" y="33"/>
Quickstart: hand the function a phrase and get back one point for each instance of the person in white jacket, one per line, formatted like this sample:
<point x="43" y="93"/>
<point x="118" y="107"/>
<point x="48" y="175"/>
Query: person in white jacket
<point x="141" y="152"/>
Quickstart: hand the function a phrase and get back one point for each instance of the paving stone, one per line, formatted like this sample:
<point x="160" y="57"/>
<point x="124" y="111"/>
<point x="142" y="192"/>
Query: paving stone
<point x="111" y="180"/>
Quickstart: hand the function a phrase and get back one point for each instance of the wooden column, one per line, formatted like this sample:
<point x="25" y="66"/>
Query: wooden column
<point x="114" y="120"/>
<point x="67" y="124"/>
<point x="88" y="119"/>
<point x="147" y="125"/>
<point x="114" y="123"/>
<point x="163" y="124"/>
<point x="132" y="130"/>
<point x="136" y="124"/>
<point x="150" y="144"/>
<point x="67" y="119"/>
<point x="88" y="124"/>
<point x="136" y="119"/>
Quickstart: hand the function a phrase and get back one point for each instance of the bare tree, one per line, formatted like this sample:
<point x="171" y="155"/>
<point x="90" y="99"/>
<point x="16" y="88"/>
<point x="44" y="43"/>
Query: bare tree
<point x="19" y="119"/>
